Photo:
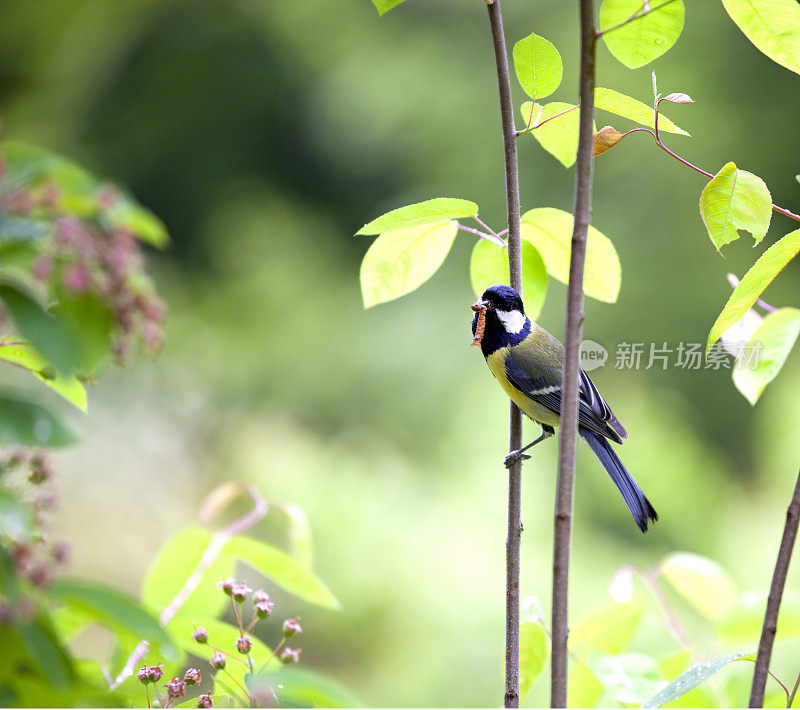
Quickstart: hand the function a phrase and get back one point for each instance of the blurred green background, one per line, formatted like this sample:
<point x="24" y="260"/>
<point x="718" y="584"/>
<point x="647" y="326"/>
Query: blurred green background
<point x="265" y="133"/>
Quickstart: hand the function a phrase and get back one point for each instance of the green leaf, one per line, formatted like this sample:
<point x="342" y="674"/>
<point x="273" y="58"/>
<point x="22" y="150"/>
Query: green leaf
<point x="384" y="6"/>
<point x="220" y="700"/>
<point x="771" y="344"/>
<point x="47" y="333"/>
<point x="16" y="519"/>
<point x="533" y="653"/>
<point x="690" y="679"/>
<point x="583" y="688"/>
<point x="735" y="199"/>
<point x="298" y="687"/>
<point x="641" y="41"/>
<point x="701" y="582"/>
<point x="298" y="532"/>
<point x="70" y="388"/>
<point x="402" y="260"/>
<point x="282" y="569"/>
<point x="742" y="623"/>
<point x="629" y="677"/>
<point x="489" y="265"/>
<point x="753" y="283"/>
<point x="90" y="321"/>
<point x="538" y="66"/>
<point x="773" y="26"/>
<point x="627" y="107"/>
<point x="433" y="211"/>
<point x="113" y="608"/>
<point x="125" y="213"/>
<point x="550" y="231"/>
<point x="30" y="424"/>
<point x="607" y="630"/>
<point x="175" y="563"/>
<point x="559" y="136"/>
<point x="45" y="651"/>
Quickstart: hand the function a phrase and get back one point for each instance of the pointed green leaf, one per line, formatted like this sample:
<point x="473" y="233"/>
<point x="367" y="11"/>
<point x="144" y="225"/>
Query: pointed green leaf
<point x="383" y="6"/>
<point x="690" y="679"/>
<point x="770" y="345"/>
<point x="50" y="336"/>
<point x="559" y="136"/>
<point x="607" y="630"/>
<point x="533" y="653"/>
<point x="489" y="265"/>
<point x="773" y="26"/>
<point x="70" y="388"/>
<point x="27" y="423"/>
<point x="282" y="569"/>
<point x="701" y="582"/>
<point x="112" y="607"/>
<point x="299" y="687"/>
<point x="16" y="518"/>
<point x="753" y="283"/>
<point x="433" y="211"/>
<point x="583" y="688"/>
<point x="175" y="564"/>
<point x="627" y="107"/>
<point x="550" y="231"/>
<point x="641" y="41"/>
<point x="628" y="677"/>
<point x="735" y="199"/>
<point x="538" y="66"/>
<point x="742" y="622"/>
<point x="402" y="260"/>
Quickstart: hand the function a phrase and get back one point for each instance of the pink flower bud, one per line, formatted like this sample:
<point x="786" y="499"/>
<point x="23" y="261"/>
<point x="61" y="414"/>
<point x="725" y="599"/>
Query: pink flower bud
<point x="244" y="644"/>
<point x="176" y="688"/>
<point x="77" y="278"/>
<point x="226" y="585"/>
<point x="200" y="635"/>
<point x="290" y="655"/>
<point x="291" y="627"/>
<point x="42" y="267"/>
<point x="192" y="676"/>
<point x="240" y="591"/>
<point x="264" y="609"/>
<point x="260" y="596"/>
<point x="218" y="660"/>
<point x="205" y="701"/>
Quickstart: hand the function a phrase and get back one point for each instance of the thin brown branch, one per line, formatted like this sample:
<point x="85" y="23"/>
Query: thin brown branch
<point x="635" y="16"/>
<point x="677" y="157"/>
<point x="237" y="527"/>
<point x="539" y="124"/>
<point x="493" y="238"/>
<point x="513" y="538"/>
<point x="770" y="627"/>
<point x="573" y="327"/>
<point x="793" y="694"/>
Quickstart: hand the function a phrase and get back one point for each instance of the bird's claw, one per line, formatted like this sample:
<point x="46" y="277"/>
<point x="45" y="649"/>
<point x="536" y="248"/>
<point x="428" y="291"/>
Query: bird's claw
<point x="513" y="457"/>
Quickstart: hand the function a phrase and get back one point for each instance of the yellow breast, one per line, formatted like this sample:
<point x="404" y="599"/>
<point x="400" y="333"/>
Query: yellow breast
<point x="534" y="410"/>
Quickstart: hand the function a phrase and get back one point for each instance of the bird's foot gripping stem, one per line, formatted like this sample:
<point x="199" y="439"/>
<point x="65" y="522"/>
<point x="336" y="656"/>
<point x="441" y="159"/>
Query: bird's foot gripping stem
<point x="514" y="456"/>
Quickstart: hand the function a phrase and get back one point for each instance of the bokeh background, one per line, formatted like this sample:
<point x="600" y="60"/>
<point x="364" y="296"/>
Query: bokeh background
<point x="265" y="133"/>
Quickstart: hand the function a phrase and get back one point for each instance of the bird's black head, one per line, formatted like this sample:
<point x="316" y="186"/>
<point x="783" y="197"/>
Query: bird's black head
<point x="505" y="321"/>
<point x="502" y="298"/>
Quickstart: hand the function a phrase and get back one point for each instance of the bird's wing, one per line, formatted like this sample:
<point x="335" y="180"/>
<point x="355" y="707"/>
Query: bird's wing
<point x="543" y="385"/>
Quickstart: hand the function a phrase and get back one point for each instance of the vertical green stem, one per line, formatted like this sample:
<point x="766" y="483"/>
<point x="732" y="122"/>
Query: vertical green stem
<point x="515" y="424"/>
<point x="573" y="328"/>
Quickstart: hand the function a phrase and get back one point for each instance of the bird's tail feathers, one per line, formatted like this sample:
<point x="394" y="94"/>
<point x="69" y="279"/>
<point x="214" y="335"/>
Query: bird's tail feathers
<point x="641" y="509"/>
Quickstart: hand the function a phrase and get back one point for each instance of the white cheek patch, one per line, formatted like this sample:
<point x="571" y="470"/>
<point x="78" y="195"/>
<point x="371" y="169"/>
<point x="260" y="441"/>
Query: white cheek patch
<point x="513" y="321"/>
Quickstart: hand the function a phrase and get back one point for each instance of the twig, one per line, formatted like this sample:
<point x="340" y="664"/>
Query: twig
<point x="677" y="157"/>
<point x="670" y="617"/>
<point x="635" y="16"/>
<point x="515" y="419"/>
<point x="493" y="238"/>
<point x="539" y="124"/>
<point x="574" y="319"/>
<point x="237" y="527"/>
<point x="763" y="305"/>
<point x="770" y="627"/>
<point x="793" y="694"/>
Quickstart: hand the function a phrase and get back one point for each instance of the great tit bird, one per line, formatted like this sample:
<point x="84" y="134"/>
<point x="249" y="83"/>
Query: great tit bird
<point x="528" y="363"/>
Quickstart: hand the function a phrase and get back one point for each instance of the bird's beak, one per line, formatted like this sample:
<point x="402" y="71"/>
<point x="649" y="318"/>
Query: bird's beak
<point x="480" y="303"/>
